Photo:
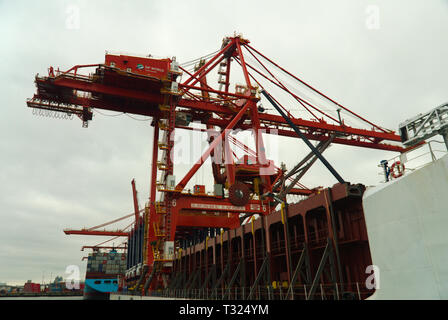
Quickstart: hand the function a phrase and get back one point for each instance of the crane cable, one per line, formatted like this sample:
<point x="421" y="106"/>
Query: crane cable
<point x="120" y="114"/>
<point x="199" y="59"/>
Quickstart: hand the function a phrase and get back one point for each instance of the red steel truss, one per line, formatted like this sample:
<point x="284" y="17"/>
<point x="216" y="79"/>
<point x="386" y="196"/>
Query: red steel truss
<point x="94" y="248"/>
<point x="151" y="87"/>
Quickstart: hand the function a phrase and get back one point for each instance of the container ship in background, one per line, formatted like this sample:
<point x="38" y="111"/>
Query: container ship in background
<point x="102" y="274"/>
<point x="59" y="286"/>
<point x="31" y="289"/>
<point x="247" y="239"/>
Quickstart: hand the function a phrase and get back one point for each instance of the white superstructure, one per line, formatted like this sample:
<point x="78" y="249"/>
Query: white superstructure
<point x="407" y="226"/>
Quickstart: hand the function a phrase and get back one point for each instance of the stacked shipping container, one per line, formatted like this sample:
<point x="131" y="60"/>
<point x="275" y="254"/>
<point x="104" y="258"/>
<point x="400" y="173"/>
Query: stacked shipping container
<point x="107" y="263"/>
<point x="30" y="287"/>
<point x="136" y="246"/>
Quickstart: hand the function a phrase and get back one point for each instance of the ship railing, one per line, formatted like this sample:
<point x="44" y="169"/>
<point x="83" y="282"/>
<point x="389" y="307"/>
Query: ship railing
<point x="133" y="54"/>
<point x="324" y="291"/>
<point x="421" y="156"/>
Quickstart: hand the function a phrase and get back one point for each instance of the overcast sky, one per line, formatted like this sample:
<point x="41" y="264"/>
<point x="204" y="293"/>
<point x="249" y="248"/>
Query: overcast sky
<point x="55" y="174"/>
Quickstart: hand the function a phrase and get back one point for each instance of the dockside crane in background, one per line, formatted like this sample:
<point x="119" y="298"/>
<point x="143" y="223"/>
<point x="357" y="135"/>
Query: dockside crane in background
<point x="95" y="232"/>
<point x="114" y="233"/>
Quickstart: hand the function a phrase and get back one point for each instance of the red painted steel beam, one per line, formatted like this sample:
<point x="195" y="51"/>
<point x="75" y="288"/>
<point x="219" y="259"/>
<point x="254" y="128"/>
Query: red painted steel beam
<point x="326" y="127"/>
<point x="266" y="118"/>
<point x="303" y="192"/>
<point x="260" y="154"/>
<point x="96" y="233"/>
<point x="351" y="141"/>
<point x="201" y="204"/>
<point x="229" y="163"/>
<point x="204" y="85"/>
<point x="79" y="66"/>
<point x="181" y="185"/>
<point x="206" y="106"/>
<point x="348" y="142"/>
<point x="99" y="88"/>
<point x="323" y="135"/>
<point x="205" y="72"/>
<point x="210" y="107"/>
<point x="243" y="65"/>
<point x="145" y="109"/>
<point x="99" y="247"/>
<point x="134" y="198"/>
<point x="207" y="221"/>
<point x="276" y="120"/>
<point x="222" y="93"/>
<point x="153" y="190"/>
<point x="204" y="67"/>
<point x="228" y="74"/>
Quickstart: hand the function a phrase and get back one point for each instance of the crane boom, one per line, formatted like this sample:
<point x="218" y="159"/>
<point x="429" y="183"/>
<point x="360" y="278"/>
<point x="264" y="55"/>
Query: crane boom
<point x="87" y="232"/>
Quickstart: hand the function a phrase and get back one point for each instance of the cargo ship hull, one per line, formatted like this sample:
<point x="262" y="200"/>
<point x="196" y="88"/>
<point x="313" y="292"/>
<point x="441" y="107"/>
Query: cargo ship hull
<point x="103" y="271"/>
<point x="100" y="288"/>
<point x="346" y="242"/>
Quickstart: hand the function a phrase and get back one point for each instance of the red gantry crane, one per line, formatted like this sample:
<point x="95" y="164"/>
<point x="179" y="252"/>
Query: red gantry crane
<point x="175" y="96"/>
